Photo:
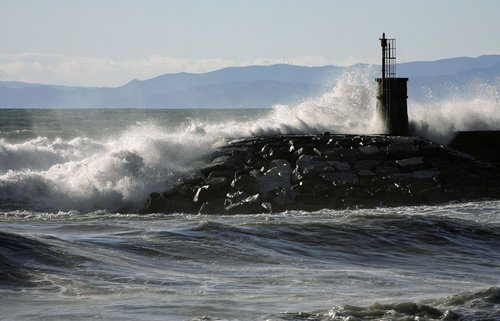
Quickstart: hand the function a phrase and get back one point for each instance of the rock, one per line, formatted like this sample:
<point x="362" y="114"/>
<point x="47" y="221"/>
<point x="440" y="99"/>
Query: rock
<point x="438" y="161"/>
<point x="411" y="162"/>
<point x="429" y="174"/>
<point x="218" y="182"/>
<point x="233" y="162"/>
<point x="310" y="182"/>
<point x="348" y="154"/>
<point x="342" y="154"/>
<point x="277" y="153"/>
<point x="331" y="153"/>
<point x="225" y="173"/>
<point x="400" y="177"/>
<point x="201" y="194"/>
<point x="340" y="166"/>
<point x="306" y="159"/>
<point x="340" y="178"/>
<point x="222" y="160"/>
<point x="246" y="183"/>
<point x="168" y="203"/>
<point x="369" y="151"/>
<point x="305" y="151"/>
<point x="310" y="172"/>
<point x="386" y="170"/>
<point x="155" y="203"/>
<point x="366" y="164"/>
<point x="216" y="189"/>
<point x="365" y="172"/>
<point x="400" y="150"/>
<point x="265" y="149"/>
<point x="312" y="165"/>
<point x="278" y="166"/>
<point x="251" y="205"/>
<point x="212" y="207"/>
<point x="235" y="197"/>
<point x="280" y="163"/>
<point x="273" y="180"/>
<point x="284" y="199"/>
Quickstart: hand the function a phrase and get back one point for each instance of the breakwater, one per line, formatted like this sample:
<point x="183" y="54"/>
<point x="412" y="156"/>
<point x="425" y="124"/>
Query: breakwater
<point x="311" y="172"/>
<point x="483" y="145"/>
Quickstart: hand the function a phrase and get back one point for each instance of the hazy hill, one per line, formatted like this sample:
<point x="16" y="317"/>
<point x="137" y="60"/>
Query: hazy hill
<point x="251" y="86"/>
<point x="445" y="67"/>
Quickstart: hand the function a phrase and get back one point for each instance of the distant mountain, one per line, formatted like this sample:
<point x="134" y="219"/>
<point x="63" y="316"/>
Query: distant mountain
<point x="246" y="87"/>
<point x="446" y="67"/>
<point x="450" y="77"/>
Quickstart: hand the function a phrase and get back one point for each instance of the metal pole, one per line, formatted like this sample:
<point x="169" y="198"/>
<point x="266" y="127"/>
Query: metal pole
<point x="383" y="43"/>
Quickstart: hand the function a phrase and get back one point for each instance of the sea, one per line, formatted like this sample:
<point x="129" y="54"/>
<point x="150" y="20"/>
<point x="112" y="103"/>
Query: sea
<point x="74" y="246"/>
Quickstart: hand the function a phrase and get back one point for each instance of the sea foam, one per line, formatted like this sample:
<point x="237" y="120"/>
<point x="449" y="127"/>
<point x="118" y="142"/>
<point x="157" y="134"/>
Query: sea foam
<point x="118" y="170"/>
<point x="89" y="174"/>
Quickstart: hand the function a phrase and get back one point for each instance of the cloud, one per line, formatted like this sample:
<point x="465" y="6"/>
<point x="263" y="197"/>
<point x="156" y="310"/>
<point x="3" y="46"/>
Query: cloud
<point x="88" y="71"/>
<point x="104" y="72"/>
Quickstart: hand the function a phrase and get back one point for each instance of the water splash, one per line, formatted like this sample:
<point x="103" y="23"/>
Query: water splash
<point x="474" y="107"/>
<point x="86" y="174"/>
<point x="120" y="168"/>
<point x="349" y="107"/>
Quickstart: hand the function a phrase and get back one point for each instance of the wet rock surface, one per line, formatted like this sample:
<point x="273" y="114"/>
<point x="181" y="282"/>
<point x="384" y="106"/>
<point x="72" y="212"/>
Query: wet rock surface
<point x="312" y="172"/>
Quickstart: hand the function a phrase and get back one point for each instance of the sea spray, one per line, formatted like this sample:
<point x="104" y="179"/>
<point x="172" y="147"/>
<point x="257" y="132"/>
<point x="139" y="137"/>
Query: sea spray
<point x="86" y="174"/>
<point x="348" y="107"/>
<point x="473" y="107"/>
<point x="112" y="160"/>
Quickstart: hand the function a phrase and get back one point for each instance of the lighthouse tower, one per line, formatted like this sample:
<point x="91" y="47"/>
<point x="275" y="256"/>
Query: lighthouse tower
<point x="392" y="108"/>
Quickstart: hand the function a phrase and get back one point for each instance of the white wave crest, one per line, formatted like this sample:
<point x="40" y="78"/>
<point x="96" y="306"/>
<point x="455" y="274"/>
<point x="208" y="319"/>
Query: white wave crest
<point x="85" y="174"/>
<point x="121" y="170"/>
<point x="474" y="107"/>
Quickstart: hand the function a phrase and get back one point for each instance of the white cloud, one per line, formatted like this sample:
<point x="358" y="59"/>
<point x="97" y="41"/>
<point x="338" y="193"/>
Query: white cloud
<point x="88" y="71"/>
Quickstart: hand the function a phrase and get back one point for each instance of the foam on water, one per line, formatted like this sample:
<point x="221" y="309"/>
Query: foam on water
<point x="87" y="174"/>
<point x="120" y="168"/>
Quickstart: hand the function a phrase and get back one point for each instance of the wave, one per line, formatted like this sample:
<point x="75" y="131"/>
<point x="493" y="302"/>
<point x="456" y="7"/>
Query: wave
<point x="471" y="306"/>
<point x="473" y="107"/>
<point x="23" y="260"/>
<point x="381" y="240"/>
<point x="117" y="170"/>
<point x="338" y="262"/>
<point x="367" y="239"/>
<point x="89" y="174"/>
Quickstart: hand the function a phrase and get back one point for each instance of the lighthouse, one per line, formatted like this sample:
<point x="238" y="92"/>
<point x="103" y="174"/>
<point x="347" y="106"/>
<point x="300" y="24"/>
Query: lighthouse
<point x="392" y="109"/>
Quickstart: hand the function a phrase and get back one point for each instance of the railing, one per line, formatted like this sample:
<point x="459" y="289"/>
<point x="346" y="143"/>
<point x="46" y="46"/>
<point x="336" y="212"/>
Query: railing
<point x="390" y="58"/>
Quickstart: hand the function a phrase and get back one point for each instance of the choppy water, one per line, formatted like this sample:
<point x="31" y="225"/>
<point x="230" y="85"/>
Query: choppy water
<point x="73" y="248"/>
<point x="435" y="263"/>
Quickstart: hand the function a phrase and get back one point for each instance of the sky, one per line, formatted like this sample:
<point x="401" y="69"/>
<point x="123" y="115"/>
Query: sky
<point x="110" y="42"/>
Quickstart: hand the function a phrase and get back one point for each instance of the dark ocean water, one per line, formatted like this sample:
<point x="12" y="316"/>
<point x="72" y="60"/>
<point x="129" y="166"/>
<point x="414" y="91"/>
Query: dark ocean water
<point x="73" y="248"/>
<point x="415" y="263"/>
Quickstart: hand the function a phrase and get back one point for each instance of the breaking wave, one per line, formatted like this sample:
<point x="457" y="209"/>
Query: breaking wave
<point x="88" y="174"/>
<point x="117" y="169"/>
<point x="474" y="107"/>
<point x="471" y="306"/>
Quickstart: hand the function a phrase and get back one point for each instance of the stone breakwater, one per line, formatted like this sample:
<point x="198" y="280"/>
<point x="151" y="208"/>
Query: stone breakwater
<point x="312" y="172"/>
